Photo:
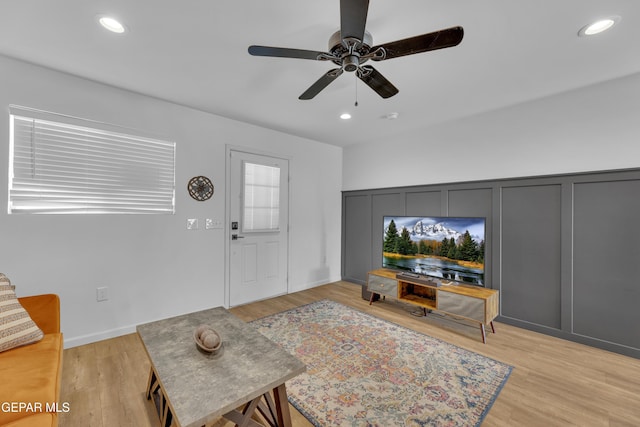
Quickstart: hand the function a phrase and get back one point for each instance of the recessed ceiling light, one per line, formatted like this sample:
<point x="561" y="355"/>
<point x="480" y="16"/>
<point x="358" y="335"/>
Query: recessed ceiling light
<point x="345" y="116"/>
<point x="111" y="24"/>
<point x="599" y="26"/>
<point x="391" y="116"/>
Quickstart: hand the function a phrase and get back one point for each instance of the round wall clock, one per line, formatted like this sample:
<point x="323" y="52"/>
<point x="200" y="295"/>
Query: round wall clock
<point x="200" y="188"/>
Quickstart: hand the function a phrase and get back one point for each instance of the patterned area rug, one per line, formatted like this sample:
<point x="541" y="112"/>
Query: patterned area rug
<point x="365" y="371"/>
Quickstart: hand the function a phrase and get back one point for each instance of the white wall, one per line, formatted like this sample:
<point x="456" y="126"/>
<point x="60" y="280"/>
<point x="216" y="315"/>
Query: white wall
<point x="152" y="265"/>
<point x="591" y="129"/>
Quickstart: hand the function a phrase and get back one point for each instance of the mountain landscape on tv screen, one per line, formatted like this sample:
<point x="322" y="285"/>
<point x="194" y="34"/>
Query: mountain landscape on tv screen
<point x="450" y="248"/>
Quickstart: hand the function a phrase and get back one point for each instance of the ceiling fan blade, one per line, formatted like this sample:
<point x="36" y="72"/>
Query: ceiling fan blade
<point x="283" y="52"/>
<point x="376" y="81"/>
<point x="321" y="84"/>
<point x="353" y="18"/>
<point x="432" y="41"/>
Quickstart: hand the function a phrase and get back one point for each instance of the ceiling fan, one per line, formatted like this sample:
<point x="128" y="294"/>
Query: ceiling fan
<point x="351" y="46"/>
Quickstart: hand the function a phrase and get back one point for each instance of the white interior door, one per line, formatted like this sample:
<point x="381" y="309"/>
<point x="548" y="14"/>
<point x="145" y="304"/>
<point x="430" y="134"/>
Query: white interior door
<point x="258" y="229"/>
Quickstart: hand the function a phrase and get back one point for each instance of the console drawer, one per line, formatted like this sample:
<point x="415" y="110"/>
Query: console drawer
<point x="462" y="305"/>
<point x="382" y="285"/>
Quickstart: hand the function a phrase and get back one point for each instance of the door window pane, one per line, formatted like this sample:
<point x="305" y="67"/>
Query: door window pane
<point x="261" y="210"/>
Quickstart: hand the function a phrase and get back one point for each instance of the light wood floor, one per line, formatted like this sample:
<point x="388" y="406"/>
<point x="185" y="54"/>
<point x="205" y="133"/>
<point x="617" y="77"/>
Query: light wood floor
<point x="554" y="382"/>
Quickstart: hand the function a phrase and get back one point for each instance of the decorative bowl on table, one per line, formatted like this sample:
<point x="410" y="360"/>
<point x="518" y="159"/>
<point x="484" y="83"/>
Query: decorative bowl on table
<point x="207" y="339"/>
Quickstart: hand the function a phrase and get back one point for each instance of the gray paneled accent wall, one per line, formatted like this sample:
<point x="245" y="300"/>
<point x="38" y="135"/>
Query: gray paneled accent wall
<point x="606" y="261"/>
<point x="356" y="211"/>
<point x="427" y="203"/>
<point x="530" y="255"/>
<point x="563" y="250"/>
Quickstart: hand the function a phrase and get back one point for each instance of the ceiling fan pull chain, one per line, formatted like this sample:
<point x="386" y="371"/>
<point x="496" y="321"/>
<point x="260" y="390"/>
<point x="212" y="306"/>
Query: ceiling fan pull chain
<point x="355" y="75"/>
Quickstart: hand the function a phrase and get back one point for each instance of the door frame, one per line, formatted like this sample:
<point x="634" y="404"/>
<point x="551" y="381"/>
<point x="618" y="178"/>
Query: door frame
<point x="229" y="148"/>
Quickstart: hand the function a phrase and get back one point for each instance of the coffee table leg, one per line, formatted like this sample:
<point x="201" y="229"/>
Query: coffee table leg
<point x="243" y="419"/>
<point x="282" y="406"/>
<point x="267" y="409"/>
<point x="151" y="384"/>
<point x="154" y="393"/>
<point x="275" y="412"/>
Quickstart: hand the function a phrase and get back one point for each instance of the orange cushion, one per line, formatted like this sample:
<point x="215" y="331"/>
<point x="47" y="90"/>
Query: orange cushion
<point x="44" y="310"/>
<point x="37" y="420"/>
<point x="31" y="374"/>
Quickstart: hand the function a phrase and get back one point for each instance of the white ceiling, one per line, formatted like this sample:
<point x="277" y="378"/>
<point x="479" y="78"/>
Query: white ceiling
<point x="194" y="53"/>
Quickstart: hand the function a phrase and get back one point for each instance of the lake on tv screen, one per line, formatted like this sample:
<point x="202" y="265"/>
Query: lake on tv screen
<point x="437" y="267"/>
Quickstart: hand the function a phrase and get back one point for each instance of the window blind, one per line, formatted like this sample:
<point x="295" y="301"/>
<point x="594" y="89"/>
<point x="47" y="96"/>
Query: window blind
<point x="58" y="167"/>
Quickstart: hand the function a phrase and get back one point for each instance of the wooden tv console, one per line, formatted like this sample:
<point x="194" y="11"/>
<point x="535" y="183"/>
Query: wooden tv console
<point x="459" y="300"/>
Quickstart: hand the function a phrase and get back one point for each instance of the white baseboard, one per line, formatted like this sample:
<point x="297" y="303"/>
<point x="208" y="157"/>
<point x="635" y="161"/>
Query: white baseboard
<point x="309" y="285"/>
<point x="104" y="335"/>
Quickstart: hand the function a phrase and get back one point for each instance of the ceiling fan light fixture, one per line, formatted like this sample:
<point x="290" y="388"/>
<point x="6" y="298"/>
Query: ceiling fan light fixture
<point x="598" y="26"/>
<point x="350" y="63"/>
<point x="111" y="24"/>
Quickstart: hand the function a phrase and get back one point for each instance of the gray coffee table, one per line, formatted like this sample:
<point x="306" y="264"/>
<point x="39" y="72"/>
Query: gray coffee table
<point x="191" y="388"/>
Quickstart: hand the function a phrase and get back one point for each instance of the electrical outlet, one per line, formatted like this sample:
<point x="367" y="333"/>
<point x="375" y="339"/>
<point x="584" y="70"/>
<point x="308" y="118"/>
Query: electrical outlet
<point x="192" y="224"/>
<point x="102" y="294"/>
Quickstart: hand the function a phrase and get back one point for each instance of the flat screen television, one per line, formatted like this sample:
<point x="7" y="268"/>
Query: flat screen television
<point x="451" y="248"/>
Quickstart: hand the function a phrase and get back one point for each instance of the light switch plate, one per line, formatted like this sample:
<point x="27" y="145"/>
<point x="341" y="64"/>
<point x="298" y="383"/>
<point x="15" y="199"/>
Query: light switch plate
<point x="211" y="223"/>
<point x="192" y="224"/>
